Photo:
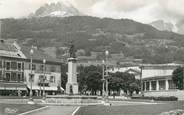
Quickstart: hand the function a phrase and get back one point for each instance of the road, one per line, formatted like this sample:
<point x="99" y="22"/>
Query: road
<point x="56" y="110"/>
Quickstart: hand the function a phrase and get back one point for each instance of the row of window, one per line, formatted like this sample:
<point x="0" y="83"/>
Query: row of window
<point x="41" y="67"/>
<point x="51" y="79"/>
<point x="12" y="76"/>
<point x="162" y="85"/>
<point x="12" y="65"/>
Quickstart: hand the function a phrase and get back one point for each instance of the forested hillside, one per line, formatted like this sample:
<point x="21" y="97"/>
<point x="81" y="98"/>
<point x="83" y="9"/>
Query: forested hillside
<point x="134" y="39"/>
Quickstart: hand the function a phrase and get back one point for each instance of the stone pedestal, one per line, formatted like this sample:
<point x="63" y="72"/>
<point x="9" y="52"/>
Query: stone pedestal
<point x="72" y="85"/>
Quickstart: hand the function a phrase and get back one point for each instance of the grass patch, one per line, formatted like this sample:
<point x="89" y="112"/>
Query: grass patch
<point x="130" y="109"/>
<point x="14" y="109"/>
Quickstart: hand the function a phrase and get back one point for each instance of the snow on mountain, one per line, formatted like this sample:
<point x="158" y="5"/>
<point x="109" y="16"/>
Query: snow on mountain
<point x="59" y="9"/>
<point x="163" y="26"/>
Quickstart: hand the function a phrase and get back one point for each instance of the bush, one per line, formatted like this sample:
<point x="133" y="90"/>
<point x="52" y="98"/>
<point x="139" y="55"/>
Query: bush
<point x="171" y="98"/>
<point x="173" y="112"/>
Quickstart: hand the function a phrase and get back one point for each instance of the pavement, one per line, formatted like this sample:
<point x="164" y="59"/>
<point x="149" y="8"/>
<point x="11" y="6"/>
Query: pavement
<point x="56" y="110"/>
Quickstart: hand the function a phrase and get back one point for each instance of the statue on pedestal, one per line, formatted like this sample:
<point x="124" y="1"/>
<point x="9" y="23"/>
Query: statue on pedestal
<point x="72" y="85"/>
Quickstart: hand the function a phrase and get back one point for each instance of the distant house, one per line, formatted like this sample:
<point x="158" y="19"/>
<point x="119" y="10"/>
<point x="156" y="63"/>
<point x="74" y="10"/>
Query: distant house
<point x="157" y="81"/>
<point x="135" y="70"/>
<point x="15" y="69"/>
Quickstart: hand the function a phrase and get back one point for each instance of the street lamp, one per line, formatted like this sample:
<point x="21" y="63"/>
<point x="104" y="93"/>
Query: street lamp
<point x="31" y="75"/>
<point x="44" y="78"/>
<point x="141" y="85"/>
<point x="103" y="79"/>
<point x="106" y="55"/>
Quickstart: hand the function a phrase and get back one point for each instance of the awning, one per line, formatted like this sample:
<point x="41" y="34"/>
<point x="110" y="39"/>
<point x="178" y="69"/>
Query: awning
<point x="51" y="88"/>
<point x="12" y="86"/>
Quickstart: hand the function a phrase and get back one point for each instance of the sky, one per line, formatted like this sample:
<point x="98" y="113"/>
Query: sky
<point x="144" y="11"/>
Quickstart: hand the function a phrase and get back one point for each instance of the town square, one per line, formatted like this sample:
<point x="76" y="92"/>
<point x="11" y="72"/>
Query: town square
<point x="90" y="57"/>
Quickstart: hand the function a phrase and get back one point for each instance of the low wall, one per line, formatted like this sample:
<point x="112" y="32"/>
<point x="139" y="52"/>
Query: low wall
<point x="71" y="101"/>
<point x="177" y="93"/>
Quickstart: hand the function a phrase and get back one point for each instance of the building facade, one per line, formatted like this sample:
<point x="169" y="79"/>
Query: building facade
<point x="157" y="81"/>
<point x="46" y="77"/>
<point x="135" y="70"/>
<point x="15" y="71"/>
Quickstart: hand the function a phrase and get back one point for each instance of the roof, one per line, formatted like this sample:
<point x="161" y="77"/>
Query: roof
<point x="133" y="70"/>
<point x="168" y="65"/>
<point x="158" y="77"/>
<point x="8" y="49"/>
<point x="37" y="55"/>
<point x="6" y="46"/>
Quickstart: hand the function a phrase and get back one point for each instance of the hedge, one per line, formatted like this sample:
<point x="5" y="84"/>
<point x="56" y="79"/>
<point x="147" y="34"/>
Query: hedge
<point x="171" y="98"/>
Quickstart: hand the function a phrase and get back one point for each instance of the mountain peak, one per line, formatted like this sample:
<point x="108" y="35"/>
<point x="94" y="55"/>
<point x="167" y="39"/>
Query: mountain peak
<point x="58" y="9"/>
<point x="163" y="26"/>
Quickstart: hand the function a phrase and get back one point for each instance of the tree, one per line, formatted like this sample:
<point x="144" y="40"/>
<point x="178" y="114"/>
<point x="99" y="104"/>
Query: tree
<point x="115" y="81"/>
<point x="89" y="79"/>
<point x="178" y="77"/>
<point x="124" y="81"/>
<point x="82" y="78"/>
<point x="63" y="75"/>
<point x="94" y="82"/>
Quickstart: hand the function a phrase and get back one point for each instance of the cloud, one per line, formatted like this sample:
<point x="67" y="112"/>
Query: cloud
<point x="140" y="10"/>
<point x="172" y="9"/>
<point x="133" y="9"/>
<point x="20" y="8"/>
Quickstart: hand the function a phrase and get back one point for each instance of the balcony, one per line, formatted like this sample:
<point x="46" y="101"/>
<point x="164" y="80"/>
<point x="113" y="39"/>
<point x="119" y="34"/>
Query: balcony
<point x="43" y="83"/>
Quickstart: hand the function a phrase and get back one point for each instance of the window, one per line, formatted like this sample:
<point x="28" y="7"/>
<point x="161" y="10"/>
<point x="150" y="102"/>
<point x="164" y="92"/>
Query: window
<point x="143" y="85"/>
<point x="41" y="78"/>
<point x="162" y="85"/>
<point x="33" y="66"/>
<point x="20" y="77"/>
<point x="171" y="84"/>
<point x="31" y="77"/>
<point x="52" y="68"/>
<point x="13" y="65"/>
<point x="147" y="86"/>
<point x="7" y="65"/>
<point x="1" y="75"/>
<point x="13" y="76"/>
<point x="23" y="78"/>
<point x="19" y="66"/>
<point x="52" y="79"/>
<point x="22" y="66"/>
<point x="7" y="77"/>
<point x="41" y="67"/>
<point x="153" y="85"/>
<point x="1" y="64"/>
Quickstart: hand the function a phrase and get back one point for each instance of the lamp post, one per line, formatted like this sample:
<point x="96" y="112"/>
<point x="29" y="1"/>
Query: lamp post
<point x="31" y="75"/>
<point x="106" y="55"/>
<point x="141" y="85"/>
<point x="103" y="79"/>
<point x="44" y="78"/>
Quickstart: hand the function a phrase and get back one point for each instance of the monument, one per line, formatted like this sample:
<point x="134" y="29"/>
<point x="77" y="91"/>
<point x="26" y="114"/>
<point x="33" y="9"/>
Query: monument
<point x="72" y="85"/>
